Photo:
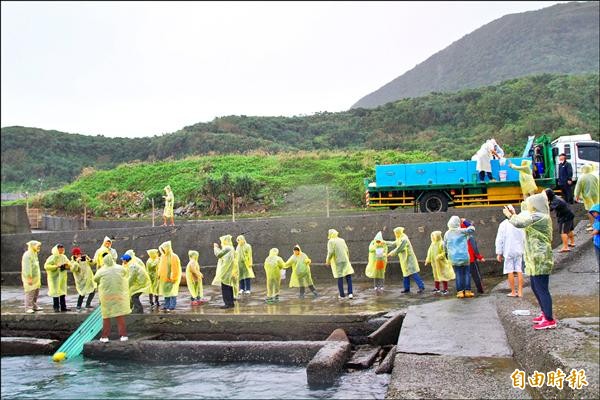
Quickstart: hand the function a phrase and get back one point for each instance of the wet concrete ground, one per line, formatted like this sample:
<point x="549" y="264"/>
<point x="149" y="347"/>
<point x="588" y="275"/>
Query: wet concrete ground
<point x="366" y="300"/>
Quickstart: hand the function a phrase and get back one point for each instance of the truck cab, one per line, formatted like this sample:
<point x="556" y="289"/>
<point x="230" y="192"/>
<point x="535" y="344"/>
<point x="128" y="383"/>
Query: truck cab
<point x="579" y="149"/>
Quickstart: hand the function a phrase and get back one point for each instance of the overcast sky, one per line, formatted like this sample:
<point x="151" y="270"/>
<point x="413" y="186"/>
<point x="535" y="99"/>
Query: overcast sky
<point x="141" y="69"/>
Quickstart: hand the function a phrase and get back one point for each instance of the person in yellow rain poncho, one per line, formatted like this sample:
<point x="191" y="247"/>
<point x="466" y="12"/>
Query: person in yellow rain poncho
<point x="104" y="248"/>
<point x="538" y="252"/>
<point x="139" y="280"/>
<point x="408" y="260"/>
<point x="586" y="189"/>
<point x="31" y="275"/>
<point x="378" y="254"/>
<point x="193" y="277"/>
<point x="244" y="258"/>
<point x="301" y="276"/>
<point x="169" y="276"/>
<point x="528" y="186"/>
<point x="56" y="267"/>
<point x="113" y="291"/>
<point x="273" y="266"/>
<point x="83" y="276"/>
<point x="441" y="266"/>
<point x="227" y="273"/>
<point x="152" y="268"/>
<point x="169" y="203"/>
<point x="339" y="258"/>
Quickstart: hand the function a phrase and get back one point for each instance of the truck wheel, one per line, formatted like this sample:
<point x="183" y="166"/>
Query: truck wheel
<point x="434" y="202"/>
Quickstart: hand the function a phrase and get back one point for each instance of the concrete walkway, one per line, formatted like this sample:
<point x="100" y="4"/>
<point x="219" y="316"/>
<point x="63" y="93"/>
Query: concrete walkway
<point x="453" y="349"/>
<point x="469" y="328"/>
<point x="468" y="348"/>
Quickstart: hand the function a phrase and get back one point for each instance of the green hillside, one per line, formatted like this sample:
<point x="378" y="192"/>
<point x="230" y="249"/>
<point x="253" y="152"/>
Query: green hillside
<point x="283" y="182"/>
<point x="563" y="39"/>
<point x="447" y="126"/>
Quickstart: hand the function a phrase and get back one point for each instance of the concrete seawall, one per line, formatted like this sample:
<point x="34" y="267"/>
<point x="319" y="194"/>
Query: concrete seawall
<point x="263" y="234"/>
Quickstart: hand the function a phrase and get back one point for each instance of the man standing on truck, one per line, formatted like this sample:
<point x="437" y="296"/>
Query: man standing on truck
<point x="565" y="178"/>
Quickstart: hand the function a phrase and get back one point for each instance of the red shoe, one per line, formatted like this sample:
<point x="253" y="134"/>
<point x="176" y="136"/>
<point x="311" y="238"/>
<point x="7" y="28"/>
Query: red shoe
<point x="545" y="324"/>
<point x="538" y="319"/>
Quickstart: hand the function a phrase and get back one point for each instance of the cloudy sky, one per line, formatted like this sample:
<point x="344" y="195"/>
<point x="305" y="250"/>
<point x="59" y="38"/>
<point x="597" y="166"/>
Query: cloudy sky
<point x="147" y="68"/>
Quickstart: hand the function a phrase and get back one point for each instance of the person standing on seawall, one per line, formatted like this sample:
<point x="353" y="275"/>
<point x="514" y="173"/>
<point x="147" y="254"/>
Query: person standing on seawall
<point x="169" y="203"/>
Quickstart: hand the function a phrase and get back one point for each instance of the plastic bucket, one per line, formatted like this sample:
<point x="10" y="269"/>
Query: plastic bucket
<point x="503" y="175"/>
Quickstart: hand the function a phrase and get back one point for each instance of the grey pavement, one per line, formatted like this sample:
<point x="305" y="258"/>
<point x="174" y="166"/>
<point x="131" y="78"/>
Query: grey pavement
<point x="460" y="327"/>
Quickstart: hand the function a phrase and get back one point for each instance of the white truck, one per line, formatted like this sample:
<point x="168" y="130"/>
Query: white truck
<point x="579" y="149"/>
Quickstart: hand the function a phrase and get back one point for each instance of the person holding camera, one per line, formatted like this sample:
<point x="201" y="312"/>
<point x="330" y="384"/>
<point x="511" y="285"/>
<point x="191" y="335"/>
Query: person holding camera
<point x="84" y="277"/>
<point x="56" y="267"/>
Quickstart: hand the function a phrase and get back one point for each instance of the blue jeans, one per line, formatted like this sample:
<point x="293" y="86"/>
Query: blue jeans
<point x="245" y="284"/>
<point x="539" y="285"/>
<point x="170" y="302"/>
<point x="417" y="279"/>
<point x="463" y="277"/>
<point x="341" y="285"/>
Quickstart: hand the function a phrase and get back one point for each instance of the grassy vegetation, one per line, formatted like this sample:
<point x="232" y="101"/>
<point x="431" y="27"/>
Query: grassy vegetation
<point x="284" y="182"/>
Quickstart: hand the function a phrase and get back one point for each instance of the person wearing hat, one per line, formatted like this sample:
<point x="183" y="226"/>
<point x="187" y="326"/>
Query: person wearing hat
<point x="83" y="276"/>
<point x="56" y="267"/>
<point x="105" y="248"/>
<point x="169" y="203"/>
<point x="31" y="276"/>
<point x="474" y="258"/>
<point x="139" y="280"/>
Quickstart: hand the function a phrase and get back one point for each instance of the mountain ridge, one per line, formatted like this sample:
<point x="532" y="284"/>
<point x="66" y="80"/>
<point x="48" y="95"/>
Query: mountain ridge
<point x="563" y="38"/>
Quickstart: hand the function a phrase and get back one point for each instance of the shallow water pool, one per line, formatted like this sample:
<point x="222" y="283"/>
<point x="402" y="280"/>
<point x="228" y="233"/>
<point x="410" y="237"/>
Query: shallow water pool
<point x="38" y="377"/>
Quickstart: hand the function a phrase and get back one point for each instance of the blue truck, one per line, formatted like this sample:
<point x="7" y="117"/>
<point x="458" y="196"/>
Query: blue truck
<point x="435" y="186"/>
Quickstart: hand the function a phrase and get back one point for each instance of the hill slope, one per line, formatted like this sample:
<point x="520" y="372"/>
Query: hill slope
<point x="450" y="126"/>
<point x="563" y="38"/>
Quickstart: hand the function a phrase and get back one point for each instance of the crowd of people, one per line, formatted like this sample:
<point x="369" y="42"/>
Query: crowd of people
<point x="523" y="238"/>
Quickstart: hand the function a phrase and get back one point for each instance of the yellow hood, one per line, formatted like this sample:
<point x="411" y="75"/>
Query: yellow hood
<point x="166" y="248"/>
<point x="193" y="255"/>
<point x="152" y="253"/>
<point x="332" y="233"/>
<point x="32" y="245"/>
<point x="436" y="236"/>
<point x="226" y="240"/>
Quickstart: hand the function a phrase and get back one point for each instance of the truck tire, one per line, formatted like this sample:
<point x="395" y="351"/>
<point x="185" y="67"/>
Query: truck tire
<point x="434" y="202"/>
